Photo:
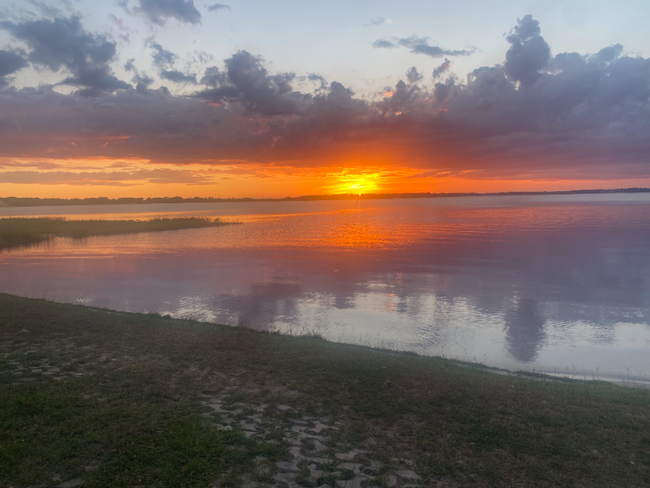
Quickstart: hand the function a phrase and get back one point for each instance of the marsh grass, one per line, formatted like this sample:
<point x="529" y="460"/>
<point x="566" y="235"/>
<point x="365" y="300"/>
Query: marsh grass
<point x="17" y="232"/>
<point x="124" y="394"/>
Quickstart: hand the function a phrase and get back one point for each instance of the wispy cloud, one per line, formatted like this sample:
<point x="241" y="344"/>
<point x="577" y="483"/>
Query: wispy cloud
<point x="420" y="45"/>
<point x="215" y="7"/>
<point x="375" y="21"/>
<point x="158" y="12"/>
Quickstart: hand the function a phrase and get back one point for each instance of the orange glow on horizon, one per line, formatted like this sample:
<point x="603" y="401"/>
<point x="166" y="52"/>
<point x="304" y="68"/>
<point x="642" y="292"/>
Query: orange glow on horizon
<point x="124" y="177"/>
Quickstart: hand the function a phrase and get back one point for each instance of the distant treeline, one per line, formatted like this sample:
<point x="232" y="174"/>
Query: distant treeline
<point x="40" y="202"/>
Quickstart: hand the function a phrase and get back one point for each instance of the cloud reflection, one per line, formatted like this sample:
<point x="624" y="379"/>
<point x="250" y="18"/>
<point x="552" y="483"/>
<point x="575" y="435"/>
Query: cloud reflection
<point x="524" y="329"/>
<point x="459" y="277"/>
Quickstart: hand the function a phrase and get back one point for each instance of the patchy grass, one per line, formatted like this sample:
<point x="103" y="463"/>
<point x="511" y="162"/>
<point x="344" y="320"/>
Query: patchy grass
<point x="115" y="433"/>
<point x="119" y="399"/>
<point x="16" y="232"/>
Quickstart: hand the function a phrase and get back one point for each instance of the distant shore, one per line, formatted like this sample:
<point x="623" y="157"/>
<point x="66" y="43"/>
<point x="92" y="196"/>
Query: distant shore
<point x="99" y="398"/>
<point x="20" y="232"/>
<point x="42" y="202"/>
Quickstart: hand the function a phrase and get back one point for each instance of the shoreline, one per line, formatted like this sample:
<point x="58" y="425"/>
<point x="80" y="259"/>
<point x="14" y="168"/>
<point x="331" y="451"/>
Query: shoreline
<point x="199" y="403"/>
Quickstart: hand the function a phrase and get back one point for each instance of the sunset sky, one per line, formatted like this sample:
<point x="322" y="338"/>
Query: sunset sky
<point x="282" y="98"/>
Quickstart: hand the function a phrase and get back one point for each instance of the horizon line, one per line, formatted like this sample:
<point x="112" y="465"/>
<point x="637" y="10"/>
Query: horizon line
<point x="4" y="201"/>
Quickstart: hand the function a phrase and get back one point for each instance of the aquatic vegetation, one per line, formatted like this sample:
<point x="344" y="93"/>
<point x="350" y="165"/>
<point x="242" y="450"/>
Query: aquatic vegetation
<point x="17" y="232"/>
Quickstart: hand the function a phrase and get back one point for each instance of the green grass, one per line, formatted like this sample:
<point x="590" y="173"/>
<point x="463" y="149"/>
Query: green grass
<point x="16" y="232"/>
<point x="128" y="400"/>
<point x="141" y="437"/>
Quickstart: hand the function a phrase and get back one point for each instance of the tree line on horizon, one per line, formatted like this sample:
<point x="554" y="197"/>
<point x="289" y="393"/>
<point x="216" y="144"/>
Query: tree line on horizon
<point x="36" y="201"/>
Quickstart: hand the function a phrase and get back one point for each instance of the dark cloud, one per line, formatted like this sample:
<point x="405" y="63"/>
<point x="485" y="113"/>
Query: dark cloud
<point x="213" y="77"/>
<point x="93" y="82"/>
<point x="247" y="81"/>
<point x="9" y="64"/>
<point x="215" y="7"/>
<point x="401" y="98"/>
<point x="528" y="52"/>
<point x="141" y="80"/>
<point x="318" y="79"/>
<point x="161" y="57"/>
<point x="159" y="11"/>
<point x="130" y="65"/>
<point x="419" y="45"/>
<point x="130" y="123"/>
<point x="178" y="77"/>
<point x="413" y="76"/>
<point x="442" y="69"/>
<point x="63" y="43"/>
<point x="441" y="90"/>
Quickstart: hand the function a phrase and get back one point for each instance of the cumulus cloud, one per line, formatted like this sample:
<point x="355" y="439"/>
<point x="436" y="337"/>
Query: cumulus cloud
<point x="442" y="69"/>
<point x="213" y="77"/>
<point x="441" y="90"/>
<point x="413" y="75"/>
<point x="609" y="53"/>
<point x="247" y="81"/>
<point x="215" y="7"/>
<point x="420" y="45"/>
<point x="528" y="52"/>
<point x="63" y="43"/>
<point x="160" y="11"/>
<point x="401" y="98"/>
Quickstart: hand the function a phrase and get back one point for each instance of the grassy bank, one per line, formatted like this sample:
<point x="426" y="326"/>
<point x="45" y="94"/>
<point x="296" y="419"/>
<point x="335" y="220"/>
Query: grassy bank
<point x="16" y="232"/>
<point x="98" y="398"/>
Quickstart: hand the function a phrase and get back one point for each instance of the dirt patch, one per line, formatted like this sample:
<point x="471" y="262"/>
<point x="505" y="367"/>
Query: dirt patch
<point x="315" y="455"/>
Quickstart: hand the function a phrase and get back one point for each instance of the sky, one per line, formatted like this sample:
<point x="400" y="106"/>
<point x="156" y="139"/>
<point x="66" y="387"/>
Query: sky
<point x="275" y="98"/>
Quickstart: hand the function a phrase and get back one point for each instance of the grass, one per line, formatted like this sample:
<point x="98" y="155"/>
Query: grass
<point x="17" y="232"/>
<point x="118" y="399"/>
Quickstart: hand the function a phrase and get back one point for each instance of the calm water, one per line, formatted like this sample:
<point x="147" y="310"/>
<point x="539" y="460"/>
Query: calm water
<point x="557" y="284"/>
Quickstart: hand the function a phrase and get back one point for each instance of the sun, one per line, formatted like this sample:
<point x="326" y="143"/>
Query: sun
<point x="359" y="183"/>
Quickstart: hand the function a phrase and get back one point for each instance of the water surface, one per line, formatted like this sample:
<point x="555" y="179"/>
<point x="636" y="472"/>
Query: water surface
<point x="555" y="283"/>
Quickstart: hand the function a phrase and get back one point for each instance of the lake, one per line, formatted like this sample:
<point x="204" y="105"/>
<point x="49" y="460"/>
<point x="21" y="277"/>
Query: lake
<point x="552" y="283"/>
